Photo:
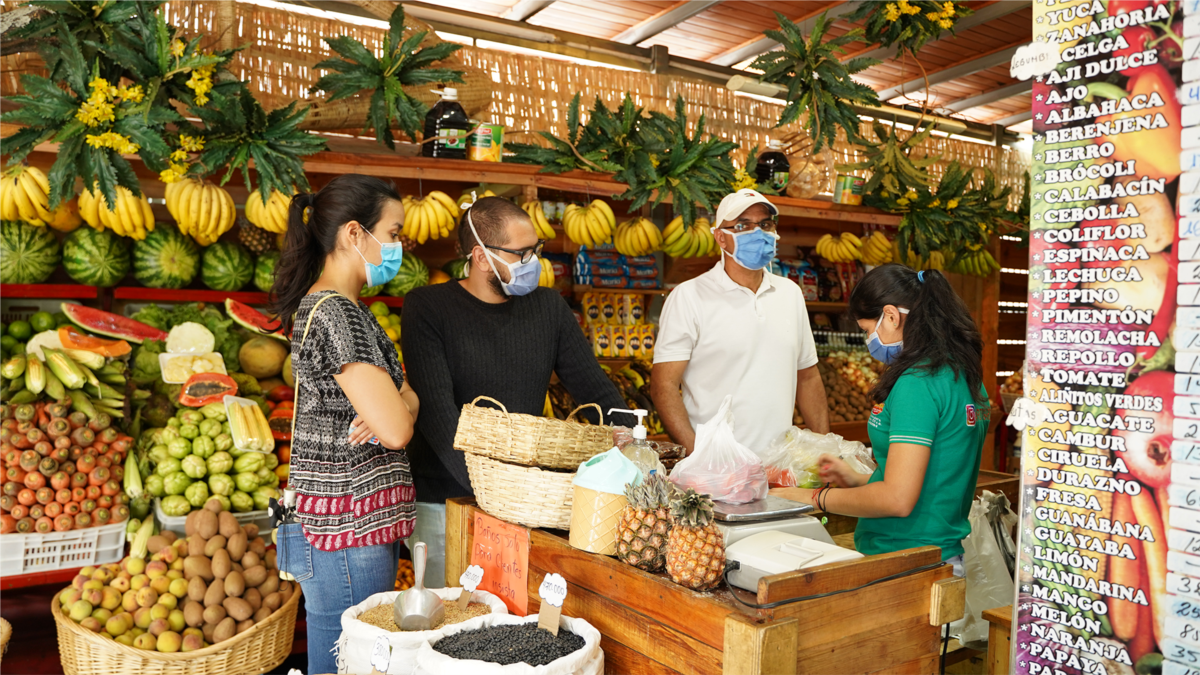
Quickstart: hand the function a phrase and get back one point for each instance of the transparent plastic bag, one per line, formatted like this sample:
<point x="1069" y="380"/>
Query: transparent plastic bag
<point x="720" y="466"/>
<point x="791" y="459"/>
<point x="857" y="456"/>
<point x="989" y="582"/>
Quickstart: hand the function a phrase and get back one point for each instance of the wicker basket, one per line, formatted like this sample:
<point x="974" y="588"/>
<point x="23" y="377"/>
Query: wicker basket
<point x="258" y="650"/>
<point x="522" y="494"/>
<point x="529" y="439"/>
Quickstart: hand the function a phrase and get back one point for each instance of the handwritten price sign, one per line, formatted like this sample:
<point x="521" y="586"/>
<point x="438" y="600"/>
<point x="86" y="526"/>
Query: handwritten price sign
<point x="501" y="550"/>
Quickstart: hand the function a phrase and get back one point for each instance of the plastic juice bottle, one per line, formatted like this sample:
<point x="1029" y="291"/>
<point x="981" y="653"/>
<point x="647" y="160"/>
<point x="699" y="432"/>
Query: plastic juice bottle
<point x="773" y="167"/>
<point x="447" y="118"/>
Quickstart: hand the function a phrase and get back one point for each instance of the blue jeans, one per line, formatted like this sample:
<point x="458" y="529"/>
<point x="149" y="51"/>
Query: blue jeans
<point x="333" y="581"/>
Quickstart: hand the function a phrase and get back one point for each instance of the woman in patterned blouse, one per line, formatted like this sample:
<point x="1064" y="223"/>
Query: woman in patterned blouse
<point x="354" y="411"/>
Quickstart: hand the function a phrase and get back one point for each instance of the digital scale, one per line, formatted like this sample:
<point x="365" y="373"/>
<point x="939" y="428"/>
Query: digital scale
<point x="772" y="536"/>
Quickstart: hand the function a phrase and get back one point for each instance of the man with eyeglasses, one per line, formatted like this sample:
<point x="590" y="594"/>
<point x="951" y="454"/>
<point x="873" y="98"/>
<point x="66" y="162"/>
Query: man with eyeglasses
<point x="493" y="334"/>
<point x="738" y="329"/>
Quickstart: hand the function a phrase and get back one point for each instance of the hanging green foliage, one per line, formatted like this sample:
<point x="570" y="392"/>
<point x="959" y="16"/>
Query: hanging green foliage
<point x="893" y="171"/>
<point x="908" y="25"/>
<point x="585" y="147"/>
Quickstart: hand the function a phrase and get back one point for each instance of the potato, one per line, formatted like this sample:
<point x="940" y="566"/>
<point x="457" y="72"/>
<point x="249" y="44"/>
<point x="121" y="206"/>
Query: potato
<point x="196" y="589"/>
<point x="285" y="589"/>
<point x="169" y="536"/>
<point x="254" y="597"/>
<point x="196" y="544"/>
<point x="189" y="524"/>
<point x="255" y="576"/>
<point x="215" y="544"/>
<point x="271" y="559"/>
<point x="238" y="566"/>
<point x="245" y="626"/>
<point x="221" y="565"/>
<point x="214" y="614"/>
<point x="261" y="614"/>
<point x="157" y="543"/>
<point x="193" y="613"/>
<point x="273" y="601"/>
<point x="259" y="546"/>
<point x="250" y="559"/>
<point x="206" y="523"/>
<point x="271" y="584"/>
<point x="198" y="566"/>
<point x="209" y="631"/>
<point x="213" y="505"/>
<point x="236" y="545"/>
<point x="215" y="594"/>
<point x="251" y="530"/>
<point x="238" y="608"/>
<point x="225" y="630"/>
<point x="227" y="524"/>
<point x="235" y="584"/>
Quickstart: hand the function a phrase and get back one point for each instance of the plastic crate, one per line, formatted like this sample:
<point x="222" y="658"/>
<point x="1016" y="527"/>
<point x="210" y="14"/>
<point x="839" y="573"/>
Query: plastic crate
<point x="176" y="523"/>
<point x="28" y="553"/>
<point x="20" y="309"/>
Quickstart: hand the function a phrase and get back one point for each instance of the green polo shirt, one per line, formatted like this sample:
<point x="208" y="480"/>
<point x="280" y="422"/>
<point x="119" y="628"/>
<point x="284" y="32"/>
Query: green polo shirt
<point x="935" y="410"/>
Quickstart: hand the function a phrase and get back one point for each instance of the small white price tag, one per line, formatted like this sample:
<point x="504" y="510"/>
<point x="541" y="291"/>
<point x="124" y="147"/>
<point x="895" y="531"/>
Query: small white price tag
<point x="553" y="592"/>
<point x="469" y="580"/>
<point x="1027" y="412"/>
<point x="381" y="654"/>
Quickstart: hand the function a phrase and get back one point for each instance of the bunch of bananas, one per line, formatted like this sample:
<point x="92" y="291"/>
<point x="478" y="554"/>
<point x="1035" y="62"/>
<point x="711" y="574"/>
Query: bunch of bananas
<point x="272" y="216"/>
<point x="637" y="237"/>
<point x="846" y="248"/>
<point x="696" y="241"/>
<point x="590" y="225"/>
<point x="25" y="195"/>
<point x="131" y="217"/>
<point x="203" y="210"/>
<point x="936" y="260"/>
<point x="538" y="216"/>
<point x="546" y="278"/>
<point x="470" y="197"/>
<point x="977" y="263"/>
<point x="433" y="217"/>
<point x="877" y="250"/>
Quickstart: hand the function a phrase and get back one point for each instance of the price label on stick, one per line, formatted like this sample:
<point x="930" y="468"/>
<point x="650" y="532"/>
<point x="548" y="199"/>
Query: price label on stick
<point x="381" y="655"/>
<point x="469" y="580"/>
<point x="553" y="592"/>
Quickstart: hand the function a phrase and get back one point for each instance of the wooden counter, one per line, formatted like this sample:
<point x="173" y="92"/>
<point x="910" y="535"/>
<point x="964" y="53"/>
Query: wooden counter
<point x="653" y="626"/>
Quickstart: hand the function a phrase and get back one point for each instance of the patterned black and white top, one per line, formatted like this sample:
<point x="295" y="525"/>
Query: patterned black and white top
<point x="347" y="495"/>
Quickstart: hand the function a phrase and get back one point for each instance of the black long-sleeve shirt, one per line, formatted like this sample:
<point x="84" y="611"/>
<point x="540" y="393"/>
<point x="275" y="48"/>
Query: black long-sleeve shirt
<point x="457" y="347"/>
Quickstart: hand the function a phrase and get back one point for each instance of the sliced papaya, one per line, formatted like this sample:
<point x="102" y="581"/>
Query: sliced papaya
<point x="280" y="422"/>
<point x="73" y="338"/>
<point x="204" y="388"/>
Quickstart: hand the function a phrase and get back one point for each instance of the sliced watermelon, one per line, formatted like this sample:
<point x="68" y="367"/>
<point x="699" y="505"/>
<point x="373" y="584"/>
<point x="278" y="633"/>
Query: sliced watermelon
<point x="254" y="320"/>
<point x="112" y="325"/>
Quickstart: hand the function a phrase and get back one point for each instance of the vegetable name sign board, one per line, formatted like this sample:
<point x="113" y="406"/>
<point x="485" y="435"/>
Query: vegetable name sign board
<point x="1109" y="554"/>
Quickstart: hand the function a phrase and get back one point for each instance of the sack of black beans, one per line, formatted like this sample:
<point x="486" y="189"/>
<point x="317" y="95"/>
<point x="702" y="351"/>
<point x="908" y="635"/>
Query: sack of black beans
<point x="366" y="621"/>
<point x="513" y="645"/>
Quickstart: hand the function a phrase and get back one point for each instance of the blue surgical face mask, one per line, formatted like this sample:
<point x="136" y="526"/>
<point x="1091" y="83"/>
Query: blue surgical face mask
<point x="522" y="276"/>
<point x="755" y="249"/>
<point x="390" y="257"/>
<point x="886" y="353"/>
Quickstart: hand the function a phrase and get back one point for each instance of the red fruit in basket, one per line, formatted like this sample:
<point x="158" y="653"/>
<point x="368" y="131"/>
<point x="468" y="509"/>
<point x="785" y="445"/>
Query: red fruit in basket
<point x="101" y="515"/>
<point x="19" y="511"/>
<point x="44" y="495"/>
<point x="86" y="462"/>
<point x="103" y="461"/>
<point x="63" y="523"/>
<point x="54" y="509"/>
<point x="26" y="497"/>
<point x="71" y="508"/>
<point x="35" y="480"/>
<point x="62" y="496"/>
<point x="61" y="479"/>
<point x="83" y="436"/>
<point x="44" y="525"/>
<point x="25" y="525"/>
<point x="93" y="492"/>
<point x="7" y="502"/>
<point x="83" y="520"/>
<point x="88" y="505"/>
<point x="11" y="488"/>
<point x="8" y="524"/>
<point x="120" y="513"/>
<point x="77" y="420"/>
<point x="79" y="479"/>
<point x="104" y="502"/>
<point x="37" y="511"/>
<point x="99" y="476"/>
<point x="29" y="460"/>
<point x="107" y="435"/>
<point x="47" y="467"/>
<point x="78" y="494"/>
<point x="1148" y="454"/>
<point x="111" y="487"/>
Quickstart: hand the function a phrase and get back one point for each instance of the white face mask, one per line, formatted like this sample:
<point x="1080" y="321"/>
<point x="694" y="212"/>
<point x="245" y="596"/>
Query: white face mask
<point x="522" y="276"/>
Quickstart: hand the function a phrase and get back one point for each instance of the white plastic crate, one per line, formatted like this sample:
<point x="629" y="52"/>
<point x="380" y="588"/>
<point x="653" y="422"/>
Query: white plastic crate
<point x="176" y="523"/>
<point x="27" y="553"/>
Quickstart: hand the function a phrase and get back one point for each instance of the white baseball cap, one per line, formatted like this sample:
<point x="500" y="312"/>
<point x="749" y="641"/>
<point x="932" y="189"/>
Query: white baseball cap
<point x="735" y="204"/>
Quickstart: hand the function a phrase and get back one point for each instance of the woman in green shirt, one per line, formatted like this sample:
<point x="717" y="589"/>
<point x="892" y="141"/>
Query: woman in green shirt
<point x="928" y="423"/>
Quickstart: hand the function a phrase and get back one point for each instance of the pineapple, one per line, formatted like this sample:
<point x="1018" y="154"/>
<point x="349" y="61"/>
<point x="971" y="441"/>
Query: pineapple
<point x="695" y="547"/>
<point x="645" y="523"/>
<point x="258" y="240"/>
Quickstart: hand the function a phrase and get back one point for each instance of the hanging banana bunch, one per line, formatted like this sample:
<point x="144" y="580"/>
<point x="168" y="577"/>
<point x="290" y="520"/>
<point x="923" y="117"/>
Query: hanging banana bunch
<point x="272" y="216"/>
<point x="696" y="241"/>
<point x="546" y="278"/>
<point x="590" y="225"/>
<point x="540" y="222"/>
<point x="130" y="217"/>
<point x="638" y="237"/>
<point x="877" y="250"/>
<point x="25" y="196"/>
<point x="846" y="248"/>
<point x="433" y="217"/>
<point x="203" y="210"/>
<point x="978" y="263"/>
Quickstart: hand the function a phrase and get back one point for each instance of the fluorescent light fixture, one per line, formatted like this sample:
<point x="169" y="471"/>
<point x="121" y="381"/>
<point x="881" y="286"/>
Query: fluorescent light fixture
<point x="1005" y="237"/>
<point x="455" y="37"/>
<point x="1022" y="305"/>
<point x="1012" y="270"/>
<point x="1010" y="342"/>
<point x="753" y="85"/>
<point x="312" y="11"/>
<point x="1004" y="373"/>
<point x="485" y="24"/>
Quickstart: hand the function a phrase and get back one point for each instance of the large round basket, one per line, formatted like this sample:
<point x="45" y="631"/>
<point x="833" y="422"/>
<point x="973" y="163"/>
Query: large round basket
<point x="258" y="650"/>
<point x="522" y="494"/>
<point x="530" y="439"/>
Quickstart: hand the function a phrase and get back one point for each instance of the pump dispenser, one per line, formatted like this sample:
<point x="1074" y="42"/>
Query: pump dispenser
<point x="639" y="451"/>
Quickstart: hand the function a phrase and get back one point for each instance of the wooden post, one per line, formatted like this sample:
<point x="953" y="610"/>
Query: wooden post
<point x="999" y="638"/>
<point x="458" y="548"/>
<point x="225" y="26"/>
<point x="753" y="648"/>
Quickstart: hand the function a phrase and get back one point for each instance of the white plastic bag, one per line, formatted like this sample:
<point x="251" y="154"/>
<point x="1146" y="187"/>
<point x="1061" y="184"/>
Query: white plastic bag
<point x="989" y="582"/>
<point x="589" y="660"/>
<point x="358" y="638"/>
<point x="720" y="466"/>
<point x="792" y="458"/>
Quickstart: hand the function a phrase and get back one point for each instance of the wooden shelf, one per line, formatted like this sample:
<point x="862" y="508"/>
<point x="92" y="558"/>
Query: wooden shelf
<point x="49" y="291"/>
<point x="636" y="291"/>
<point x="827" y="306"/>
<point x="187" y="295"/>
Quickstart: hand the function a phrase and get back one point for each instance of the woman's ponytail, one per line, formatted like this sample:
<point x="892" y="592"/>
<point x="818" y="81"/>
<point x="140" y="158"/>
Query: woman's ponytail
<point x="313" y="223"/>
<point x="939" y="331"/>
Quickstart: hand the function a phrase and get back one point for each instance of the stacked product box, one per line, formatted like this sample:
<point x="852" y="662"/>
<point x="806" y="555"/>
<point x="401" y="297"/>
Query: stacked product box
<point x="616" y="325"/>
<point x="600" y="268"/>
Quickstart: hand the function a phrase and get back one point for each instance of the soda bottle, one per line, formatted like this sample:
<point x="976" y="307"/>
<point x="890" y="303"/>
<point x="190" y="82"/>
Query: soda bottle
<point x="447" y="118"/>
<point x="773" y="167"/>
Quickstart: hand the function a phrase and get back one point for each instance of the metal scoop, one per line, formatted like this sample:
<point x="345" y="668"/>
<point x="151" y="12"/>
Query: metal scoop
<point x="418" y="608"/>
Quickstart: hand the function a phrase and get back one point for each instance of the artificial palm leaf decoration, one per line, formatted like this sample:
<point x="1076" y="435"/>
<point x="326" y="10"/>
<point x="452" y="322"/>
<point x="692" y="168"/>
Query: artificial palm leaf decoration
<point x="953" y="217"/>
<point x="402" y="64"/>
<point x="893" y="171"/>
<point x="585" y="148"/>
<point x="817" y="81"/>
<point x="906" y="24"/>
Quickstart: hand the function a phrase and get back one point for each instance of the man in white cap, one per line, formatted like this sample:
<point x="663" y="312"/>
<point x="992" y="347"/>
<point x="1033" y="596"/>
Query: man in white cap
<point x="738" y="329"/>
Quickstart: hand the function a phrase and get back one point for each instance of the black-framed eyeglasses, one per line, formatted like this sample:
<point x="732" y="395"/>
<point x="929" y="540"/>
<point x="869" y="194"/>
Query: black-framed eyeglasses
<point x="740" y="226"/>
<point x="526" y="254"/>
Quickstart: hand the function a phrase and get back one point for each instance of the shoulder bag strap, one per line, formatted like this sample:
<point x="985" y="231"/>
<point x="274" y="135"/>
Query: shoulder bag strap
<point x="303" y="337"/>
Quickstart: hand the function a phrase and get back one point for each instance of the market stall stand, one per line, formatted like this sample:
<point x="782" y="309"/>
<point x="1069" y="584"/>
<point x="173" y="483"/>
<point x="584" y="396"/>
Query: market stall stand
<point x="999" y="639"/>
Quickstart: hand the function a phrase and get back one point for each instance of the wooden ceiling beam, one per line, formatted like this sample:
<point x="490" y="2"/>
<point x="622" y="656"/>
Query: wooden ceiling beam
<point x="952" y="72"/>
<point x="752" y="48"/>
<point x="1014" y="119"/>
<point x="524" y="9"/>
<point x="668" y="18"/>
<point x="987" y="97"/>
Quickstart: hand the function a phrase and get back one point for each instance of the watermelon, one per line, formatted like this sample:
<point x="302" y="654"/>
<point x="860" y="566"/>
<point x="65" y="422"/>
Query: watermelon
<point x="370" y="291"/>
<point x="95" y="258"/>
<point x="264" y="271"/>
<point x="28" y="254"/>
<point x="165" y="259"/>
<point x="457" y="268"/>
<point x="253" y="320"/>
<point x="226" y="266"/>
<point x="113" y="325"/>
<point x="413" y="274"/>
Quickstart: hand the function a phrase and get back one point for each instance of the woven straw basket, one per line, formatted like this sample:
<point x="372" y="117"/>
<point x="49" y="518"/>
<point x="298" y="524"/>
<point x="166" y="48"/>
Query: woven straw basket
<point x="529" y="439"/>
<point x="258" y="650"/>
<point x="522" y="494"/>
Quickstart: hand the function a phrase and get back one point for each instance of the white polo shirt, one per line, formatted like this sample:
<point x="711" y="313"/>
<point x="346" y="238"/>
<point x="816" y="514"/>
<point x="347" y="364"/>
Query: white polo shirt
<point x="741" y="343"/>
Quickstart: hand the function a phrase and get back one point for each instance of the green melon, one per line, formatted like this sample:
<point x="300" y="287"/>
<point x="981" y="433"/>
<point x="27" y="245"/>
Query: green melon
<point x="226" y="266"/>
<point x="413" y="274"/>
<point x="370" y="291"/>
<point x="28" y="254"/>
<point x="264" y="271"/>
<point x="95" y="258"/>
<point x="165" y="259"/>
